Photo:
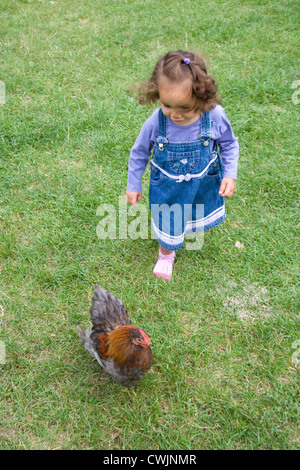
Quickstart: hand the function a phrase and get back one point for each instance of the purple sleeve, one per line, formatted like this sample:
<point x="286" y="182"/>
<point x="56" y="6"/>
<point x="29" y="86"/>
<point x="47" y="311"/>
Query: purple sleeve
<point x="140" y="153"/>
<point x="226" y="140"/>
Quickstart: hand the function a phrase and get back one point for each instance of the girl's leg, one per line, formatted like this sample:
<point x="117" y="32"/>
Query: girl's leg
<point x="164" y="265"/>
<point x="164" y="251"/>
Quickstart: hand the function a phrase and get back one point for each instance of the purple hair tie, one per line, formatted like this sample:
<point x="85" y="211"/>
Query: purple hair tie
<point x="186" y="61"/>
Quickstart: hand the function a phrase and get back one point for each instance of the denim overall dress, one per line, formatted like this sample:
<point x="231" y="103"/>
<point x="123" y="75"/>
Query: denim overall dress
<point x="184" y="186"/>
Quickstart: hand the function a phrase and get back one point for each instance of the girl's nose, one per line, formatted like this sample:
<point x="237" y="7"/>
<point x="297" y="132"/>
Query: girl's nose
<point x="176" y="115"/>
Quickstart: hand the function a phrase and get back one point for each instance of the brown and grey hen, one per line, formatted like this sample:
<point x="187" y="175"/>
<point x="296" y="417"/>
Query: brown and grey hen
<point x="122" y="349"/>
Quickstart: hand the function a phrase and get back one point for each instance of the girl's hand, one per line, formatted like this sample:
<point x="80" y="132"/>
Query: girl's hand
<point x="227" y="187"/>
<point x="133" y="198"/>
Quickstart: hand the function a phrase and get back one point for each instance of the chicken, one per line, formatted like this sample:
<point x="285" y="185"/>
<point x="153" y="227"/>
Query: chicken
<point x="122" y="349"/>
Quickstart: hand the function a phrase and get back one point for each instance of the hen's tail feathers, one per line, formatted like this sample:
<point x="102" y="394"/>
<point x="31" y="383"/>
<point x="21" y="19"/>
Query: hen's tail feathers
<point x="84" y="336"/>
<point x="86" y="341"/>
<point x="107" y="311"/>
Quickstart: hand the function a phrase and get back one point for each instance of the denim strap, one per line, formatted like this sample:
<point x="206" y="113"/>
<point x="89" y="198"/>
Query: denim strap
<point x="162" y="124"/>
<point x="205" y="126"/>
<point x="162" y="127"/>
<point x="162" y="131"/>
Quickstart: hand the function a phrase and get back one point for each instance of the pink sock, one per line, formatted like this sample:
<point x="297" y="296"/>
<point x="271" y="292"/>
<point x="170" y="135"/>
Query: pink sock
<point x="164" y="266"/>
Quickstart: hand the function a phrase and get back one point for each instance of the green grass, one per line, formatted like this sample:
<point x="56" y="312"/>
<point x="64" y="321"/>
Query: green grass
<point x="224" y="327"/>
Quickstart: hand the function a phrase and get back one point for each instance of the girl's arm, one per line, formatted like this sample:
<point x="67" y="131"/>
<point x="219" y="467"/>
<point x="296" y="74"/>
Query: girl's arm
<point x="139" y="157"/>
<point x="133" y="197"/>
<point x="229" y="150"/>
<point x="227" y="187"/>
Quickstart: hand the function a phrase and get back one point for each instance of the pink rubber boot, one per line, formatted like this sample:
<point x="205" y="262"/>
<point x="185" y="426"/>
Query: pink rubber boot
<point x="164" y="266"/>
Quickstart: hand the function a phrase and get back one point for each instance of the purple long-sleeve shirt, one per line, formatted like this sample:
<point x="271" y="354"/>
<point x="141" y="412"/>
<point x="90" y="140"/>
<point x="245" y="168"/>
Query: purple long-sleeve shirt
<point x="222" y="134"/>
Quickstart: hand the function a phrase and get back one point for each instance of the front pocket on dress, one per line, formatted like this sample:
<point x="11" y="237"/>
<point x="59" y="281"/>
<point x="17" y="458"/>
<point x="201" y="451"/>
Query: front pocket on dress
<point x="184" y="162"/>
<point x="215" y="170"/>
<point x="156" y="176"/>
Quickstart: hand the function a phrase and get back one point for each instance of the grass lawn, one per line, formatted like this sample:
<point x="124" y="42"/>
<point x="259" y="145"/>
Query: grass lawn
<point x="226" y="327"/>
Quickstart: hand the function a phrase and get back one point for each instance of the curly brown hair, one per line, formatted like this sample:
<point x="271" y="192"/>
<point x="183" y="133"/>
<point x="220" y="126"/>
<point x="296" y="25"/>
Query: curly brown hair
<point x="175" y="68"/>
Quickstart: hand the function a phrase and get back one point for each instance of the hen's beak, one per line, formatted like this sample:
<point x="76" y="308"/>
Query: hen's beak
<point x="146" y="344"/>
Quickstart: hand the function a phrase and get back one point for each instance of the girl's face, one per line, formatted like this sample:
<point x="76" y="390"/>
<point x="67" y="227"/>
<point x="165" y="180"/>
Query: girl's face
<point x="176" y="101"/>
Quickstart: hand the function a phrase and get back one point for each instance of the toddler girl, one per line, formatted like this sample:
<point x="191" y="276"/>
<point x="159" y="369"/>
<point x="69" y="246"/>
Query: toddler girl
<point x="187" y="134"/>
